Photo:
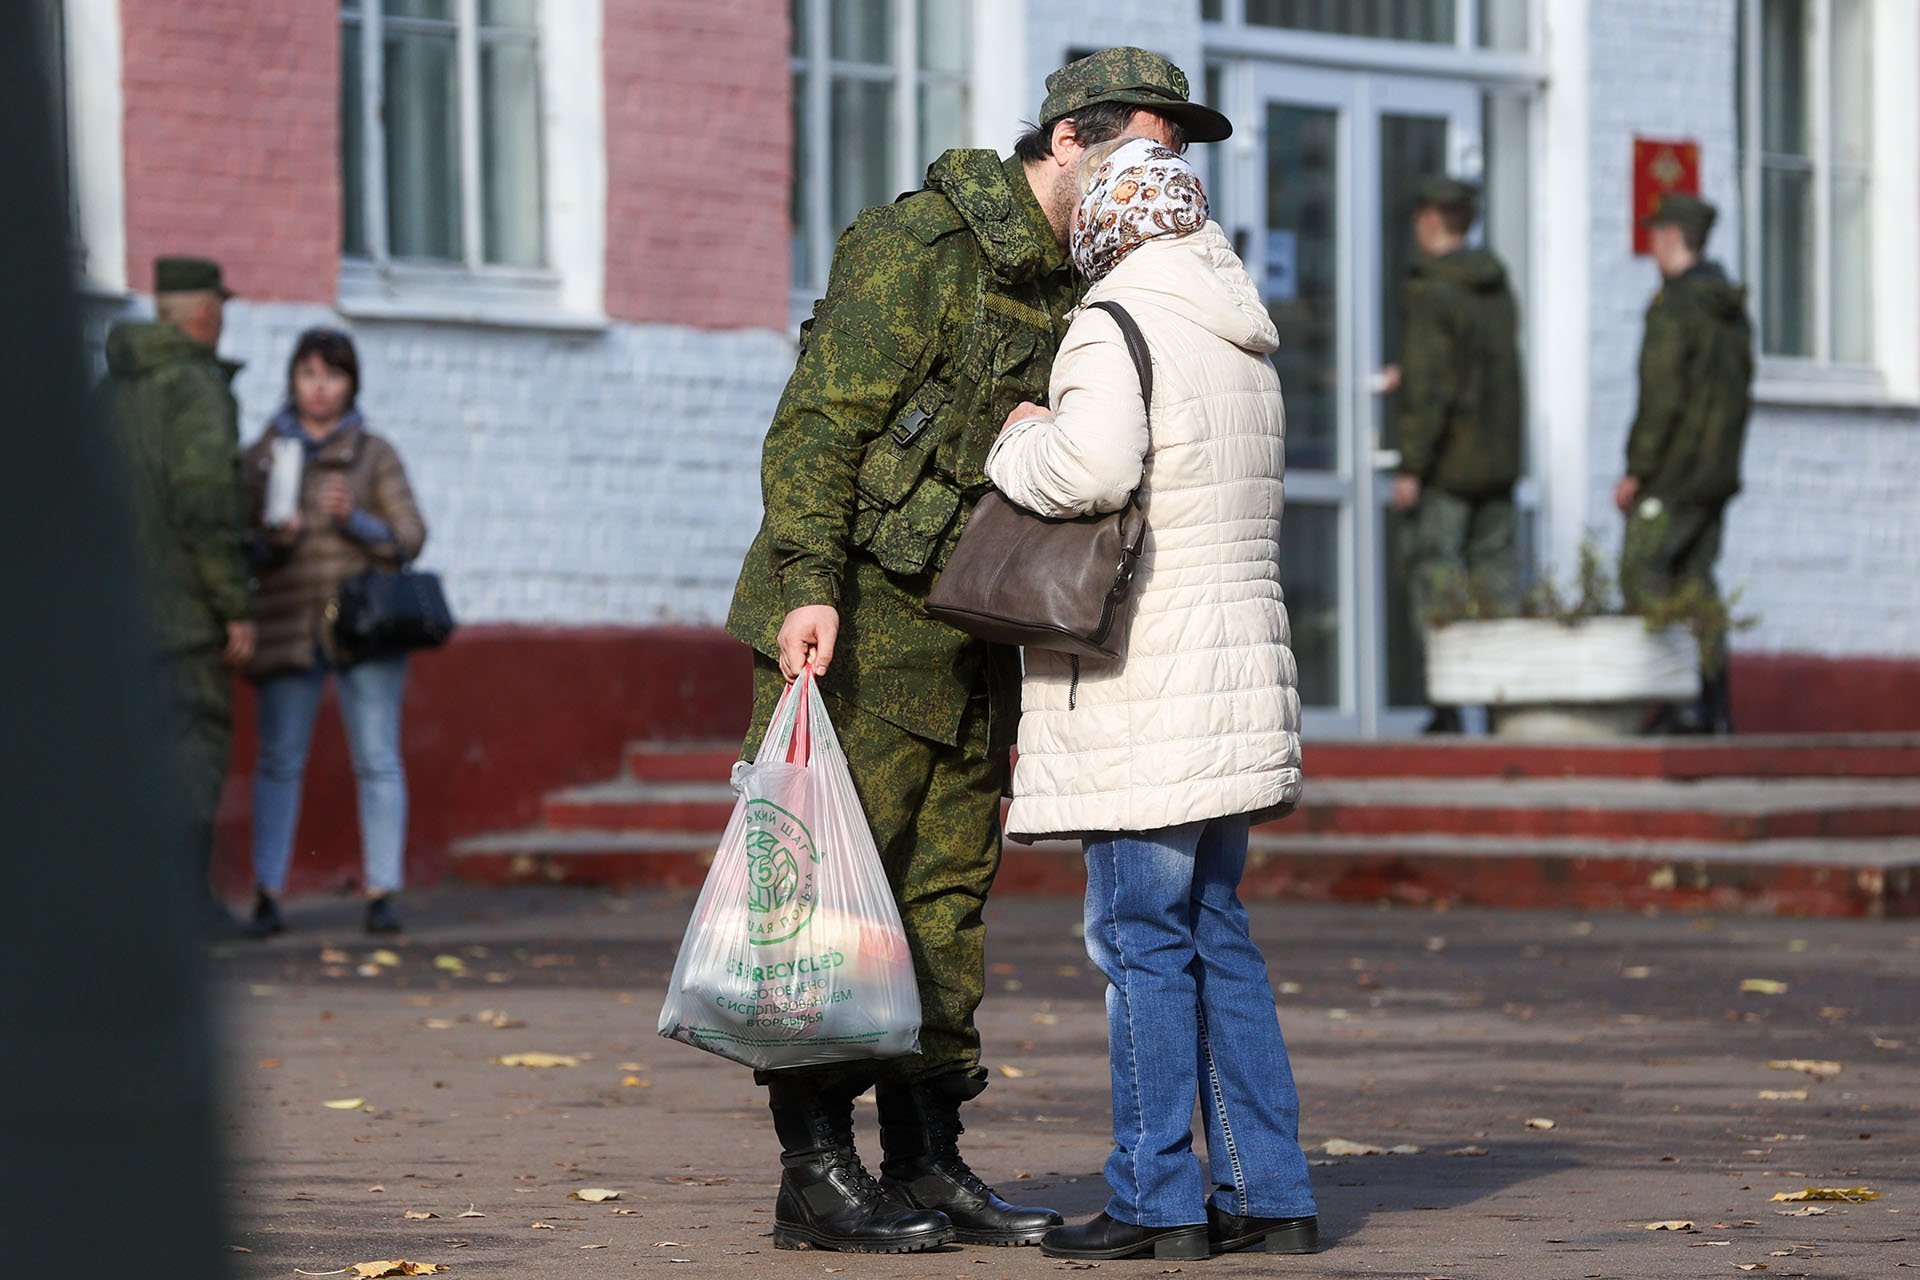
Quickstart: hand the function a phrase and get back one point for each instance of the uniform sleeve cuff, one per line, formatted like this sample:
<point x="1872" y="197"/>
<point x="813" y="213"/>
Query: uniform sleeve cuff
<point x="814" y="589"/>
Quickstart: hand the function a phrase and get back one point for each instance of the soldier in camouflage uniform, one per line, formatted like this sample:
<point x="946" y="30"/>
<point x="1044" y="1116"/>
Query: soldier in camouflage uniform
<point x="1683" y="453"/>
<point x="942" y="313"/>
<point x="1460" y="414"/>
<point x="169" y="397"/>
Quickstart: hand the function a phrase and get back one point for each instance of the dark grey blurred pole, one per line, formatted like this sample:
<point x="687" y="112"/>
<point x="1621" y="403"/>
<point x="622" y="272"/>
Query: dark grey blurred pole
<point x="106" y="1047"/>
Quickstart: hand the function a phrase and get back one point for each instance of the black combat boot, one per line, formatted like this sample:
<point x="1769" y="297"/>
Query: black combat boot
<point x="1716" y="702"/>
<point x="827" y="1199"/>
<point x="922" y="1169"/>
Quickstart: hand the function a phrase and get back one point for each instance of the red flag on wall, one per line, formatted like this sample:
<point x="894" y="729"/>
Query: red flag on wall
<point x="1660" y="165"/>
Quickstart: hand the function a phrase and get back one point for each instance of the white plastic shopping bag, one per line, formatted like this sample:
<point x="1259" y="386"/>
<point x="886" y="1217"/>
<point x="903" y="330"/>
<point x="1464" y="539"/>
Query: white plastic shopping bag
<point x="795" y="955"/>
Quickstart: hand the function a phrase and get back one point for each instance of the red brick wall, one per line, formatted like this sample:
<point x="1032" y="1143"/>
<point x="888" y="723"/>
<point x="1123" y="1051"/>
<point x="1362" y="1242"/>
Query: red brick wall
<point x="699" y="141"/>
<point x="232" y="145"/>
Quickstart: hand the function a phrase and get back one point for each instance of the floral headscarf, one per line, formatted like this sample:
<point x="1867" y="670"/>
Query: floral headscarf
<point x="1142" y="191"/>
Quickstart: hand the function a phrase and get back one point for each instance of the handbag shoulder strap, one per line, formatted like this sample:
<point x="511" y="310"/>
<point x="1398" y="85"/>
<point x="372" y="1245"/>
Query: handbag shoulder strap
<point x="1136" y="347"/>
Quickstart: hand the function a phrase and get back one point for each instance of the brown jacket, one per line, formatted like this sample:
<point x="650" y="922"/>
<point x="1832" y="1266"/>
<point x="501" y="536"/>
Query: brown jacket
<point x="295" y="585"/>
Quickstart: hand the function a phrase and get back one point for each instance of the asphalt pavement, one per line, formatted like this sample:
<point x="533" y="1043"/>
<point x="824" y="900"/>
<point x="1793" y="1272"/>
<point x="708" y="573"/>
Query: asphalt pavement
<point x="1463" y="1035"/>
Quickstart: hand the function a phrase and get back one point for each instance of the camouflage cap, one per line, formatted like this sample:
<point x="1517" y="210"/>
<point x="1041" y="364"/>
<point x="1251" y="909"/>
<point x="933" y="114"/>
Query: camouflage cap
<point x="1125" y="74"/>
<point x="1443" y="192"/>
<point x="175" y="274"/>
<point x="1682" y="210"/>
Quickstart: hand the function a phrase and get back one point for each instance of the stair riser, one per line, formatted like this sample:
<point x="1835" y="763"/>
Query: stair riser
<point x="680" y="766"/>
<point x="1598" y="884"/>
<point x="637" y="815"/>
<point x="1605" y="824"/>
<point x="1486" y="759"/>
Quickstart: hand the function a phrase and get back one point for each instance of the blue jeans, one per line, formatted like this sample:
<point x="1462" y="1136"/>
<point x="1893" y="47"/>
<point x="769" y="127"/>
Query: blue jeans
<point x="370" y="706"/>
<point x="1190" y="1013"/>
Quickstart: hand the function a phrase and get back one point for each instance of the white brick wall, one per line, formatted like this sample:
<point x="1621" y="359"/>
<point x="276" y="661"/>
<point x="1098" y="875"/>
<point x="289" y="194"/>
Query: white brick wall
<point x="1825" y="541"/>
<point x="569" y="479"/>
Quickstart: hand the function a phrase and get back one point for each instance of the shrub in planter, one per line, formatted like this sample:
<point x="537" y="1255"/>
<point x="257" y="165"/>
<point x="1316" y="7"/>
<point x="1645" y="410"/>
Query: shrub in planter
<point x="1572" y="665"/>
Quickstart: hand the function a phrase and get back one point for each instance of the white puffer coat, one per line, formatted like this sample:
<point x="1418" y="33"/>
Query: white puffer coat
<point x="1199" y="718"/>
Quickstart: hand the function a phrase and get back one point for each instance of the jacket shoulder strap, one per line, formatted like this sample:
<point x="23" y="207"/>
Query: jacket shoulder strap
<point x="1136" y="347"/>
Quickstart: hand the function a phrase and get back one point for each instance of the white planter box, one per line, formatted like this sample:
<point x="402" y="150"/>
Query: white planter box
<point x="1546" y="679"/>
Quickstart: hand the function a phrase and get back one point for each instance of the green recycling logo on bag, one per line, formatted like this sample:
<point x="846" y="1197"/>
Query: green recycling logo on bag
<point x="780" y="883"/>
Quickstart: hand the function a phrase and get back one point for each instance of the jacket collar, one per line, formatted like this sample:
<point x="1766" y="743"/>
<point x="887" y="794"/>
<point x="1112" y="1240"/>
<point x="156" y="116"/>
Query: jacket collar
<point x="341" y="445"/>
<point x="997" y="203"/>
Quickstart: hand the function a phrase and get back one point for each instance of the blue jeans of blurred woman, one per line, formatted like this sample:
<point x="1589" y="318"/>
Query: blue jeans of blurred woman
<point x="370" y="694"/>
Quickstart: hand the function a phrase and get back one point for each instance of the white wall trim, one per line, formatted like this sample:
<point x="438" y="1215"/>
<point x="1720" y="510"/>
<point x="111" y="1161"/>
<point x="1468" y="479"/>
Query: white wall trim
<point x="574" y="90"/>
<point x="1566" y="222"/>
<point x="97" y="110"/>
<point x="998" y="94"/>
<point x="1896" y="199"/>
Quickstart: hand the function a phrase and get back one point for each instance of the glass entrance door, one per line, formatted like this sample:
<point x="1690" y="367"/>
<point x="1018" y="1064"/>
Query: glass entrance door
<point x="1329" y="237"/>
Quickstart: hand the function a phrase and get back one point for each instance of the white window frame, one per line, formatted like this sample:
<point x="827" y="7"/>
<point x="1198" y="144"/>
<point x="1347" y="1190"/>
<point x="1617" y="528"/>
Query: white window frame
<point x="1892" y="375"/>
<point x="95" y="159"/>
<point x="816" y="70"/>
<point x="1232" y="34"/>
<point x="569" y="291"/>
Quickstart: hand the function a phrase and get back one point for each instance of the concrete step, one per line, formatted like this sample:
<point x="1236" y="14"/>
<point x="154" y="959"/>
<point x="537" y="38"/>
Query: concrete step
<point x="1889" y="755"/>
<point x="1767" y="877"/>
<point x="641" y="806"/>
<point x="1613" y="808"/>
<point x="1643" y="809"/>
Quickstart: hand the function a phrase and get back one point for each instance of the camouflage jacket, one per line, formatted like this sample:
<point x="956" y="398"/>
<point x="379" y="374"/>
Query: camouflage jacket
<point x="1696" y="377"/>
<point x="1461" y="409"/>
<point x="174" y="413"/>
<point x="943" y="311"/>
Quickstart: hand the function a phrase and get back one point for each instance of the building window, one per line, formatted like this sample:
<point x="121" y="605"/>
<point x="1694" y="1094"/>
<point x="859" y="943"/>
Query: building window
<point x="441" y="129"/>
<point x="1807" y="143"/>
<point x="1491" y="24"/>
<point x="879" y="90"/>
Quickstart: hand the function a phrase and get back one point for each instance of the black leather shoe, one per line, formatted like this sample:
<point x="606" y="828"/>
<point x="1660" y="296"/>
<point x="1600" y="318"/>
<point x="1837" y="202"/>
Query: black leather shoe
<point x="1104" y="1239"/>
<point x="920" y="1134"/>
<point x="267" y="919"/>
<point x="381" y="917"/>
<point x="1230" y="1233"/>
<point x="827" y="1198"/>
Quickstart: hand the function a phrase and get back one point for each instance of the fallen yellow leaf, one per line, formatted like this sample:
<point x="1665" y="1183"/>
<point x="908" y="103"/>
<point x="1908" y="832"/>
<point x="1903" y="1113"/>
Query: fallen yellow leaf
<point x="1852" y="1195"/>
<point x="1783" y="1095"/>
<point x="452" y="964"/>
<point x="346" y="1104"/>
<point x="1011" y="1073"/>
<point x="389" y="959"/>
<point x="400" y="1267"/>
<point x="1818" y="1068"/>
<point x="537" y="1060"/>
<point x="1763" y="987"/>
<point x="1749" y="1266"/>
<point x="544" y="1226"/>
<point x="418" y="1215"/>
<point x="471" y="1213"/>
<point x="1539" y="1122"/>
<point x="1675" y="1224"/>
<point x="631" y="1082"/>
<point x="593" y="1195"/>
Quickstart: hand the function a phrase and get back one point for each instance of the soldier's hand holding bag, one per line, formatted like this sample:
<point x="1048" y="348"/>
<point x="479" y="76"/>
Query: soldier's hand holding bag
<point x="795" y="955"/>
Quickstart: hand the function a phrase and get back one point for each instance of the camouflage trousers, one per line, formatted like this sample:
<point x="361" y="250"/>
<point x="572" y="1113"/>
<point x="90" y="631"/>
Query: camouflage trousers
<point x="1450" y="544"/>
<point x="935" y="815"/>
<point x="1668" y="546"/>
<point x="196" y="701"/>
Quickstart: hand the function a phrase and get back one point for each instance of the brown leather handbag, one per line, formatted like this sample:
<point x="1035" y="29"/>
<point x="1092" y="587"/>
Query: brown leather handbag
<point x="1019" y="578"/>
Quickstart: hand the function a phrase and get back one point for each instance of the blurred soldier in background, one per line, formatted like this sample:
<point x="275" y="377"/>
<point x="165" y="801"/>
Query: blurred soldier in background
<point x="170" y="398"/>
<point x="1683" y="454"/>
<point x="1460" y="415"/>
